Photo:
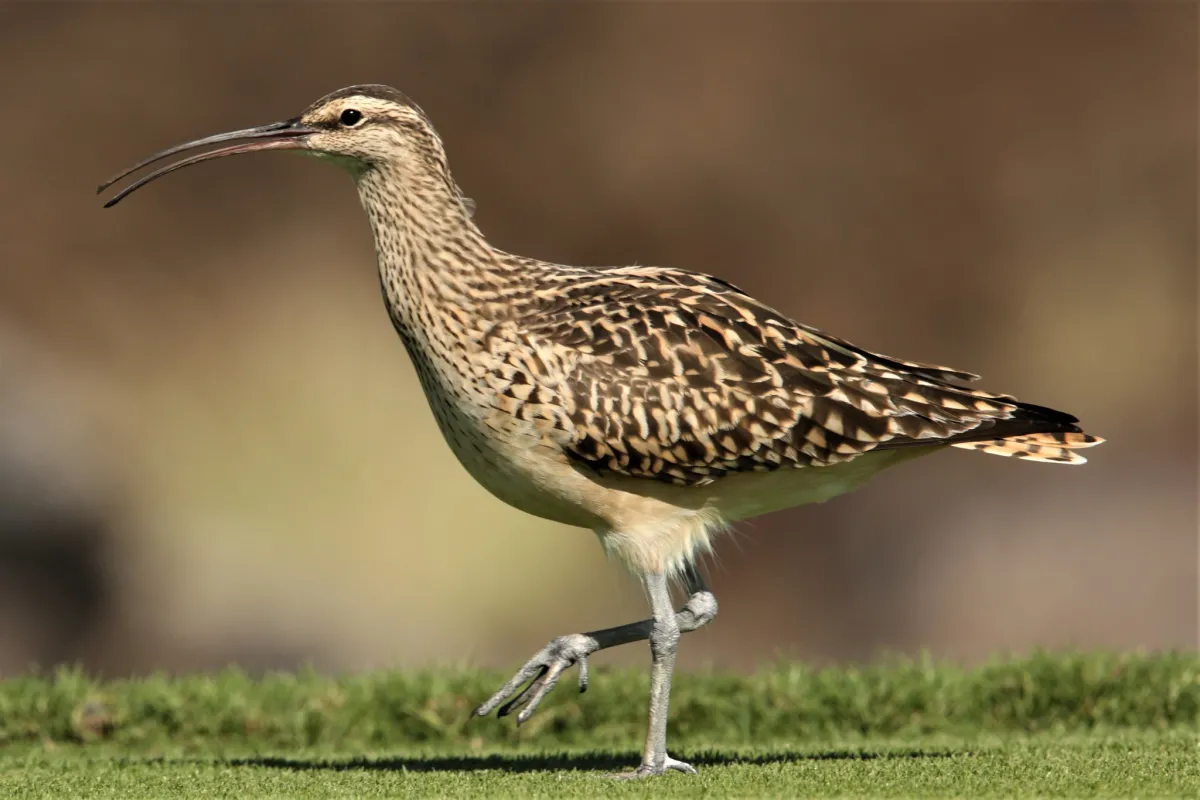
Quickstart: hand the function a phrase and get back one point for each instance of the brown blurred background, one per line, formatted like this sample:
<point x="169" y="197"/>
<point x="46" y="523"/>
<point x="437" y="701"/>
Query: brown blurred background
<point x="213" y="448"/>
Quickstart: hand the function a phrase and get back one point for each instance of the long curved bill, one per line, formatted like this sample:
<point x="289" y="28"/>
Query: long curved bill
<point x="287" y="135"/>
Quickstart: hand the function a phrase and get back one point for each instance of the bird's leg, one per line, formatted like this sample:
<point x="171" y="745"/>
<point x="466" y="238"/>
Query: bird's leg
<point x="664" y="640"/>
<point x="543" y="671"/>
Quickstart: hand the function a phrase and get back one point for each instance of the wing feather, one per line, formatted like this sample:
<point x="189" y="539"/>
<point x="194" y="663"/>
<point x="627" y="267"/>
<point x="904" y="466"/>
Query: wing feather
<point x="683" y="377"/>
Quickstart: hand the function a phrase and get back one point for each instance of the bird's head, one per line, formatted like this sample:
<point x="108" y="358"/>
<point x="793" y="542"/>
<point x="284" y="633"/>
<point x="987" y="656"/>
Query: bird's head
<point x="359" y="128"/>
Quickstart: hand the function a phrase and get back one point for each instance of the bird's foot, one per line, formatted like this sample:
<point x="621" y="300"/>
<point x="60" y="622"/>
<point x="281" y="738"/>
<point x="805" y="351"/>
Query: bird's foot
<point x="648" y="770"/>
<point x="543" y="672"/>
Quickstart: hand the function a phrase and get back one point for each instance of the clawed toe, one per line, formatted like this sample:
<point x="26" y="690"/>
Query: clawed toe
<point x="649" y="770"/>
<point x="530" y="685"/>
<point x="680" y="766"/>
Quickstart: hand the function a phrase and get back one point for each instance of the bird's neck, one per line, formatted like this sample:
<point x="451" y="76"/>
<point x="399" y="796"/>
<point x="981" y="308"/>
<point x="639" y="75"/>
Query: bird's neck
<point x="435" y="266"/>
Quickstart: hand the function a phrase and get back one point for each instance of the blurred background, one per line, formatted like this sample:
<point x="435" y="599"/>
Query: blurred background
<point x="213" y="448"/>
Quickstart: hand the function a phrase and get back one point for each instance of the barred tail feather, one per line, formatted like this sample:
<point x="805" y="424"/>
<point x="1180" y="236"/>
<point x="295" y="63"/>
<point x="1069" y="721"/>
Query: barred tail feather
<point x="1054" y="448"/>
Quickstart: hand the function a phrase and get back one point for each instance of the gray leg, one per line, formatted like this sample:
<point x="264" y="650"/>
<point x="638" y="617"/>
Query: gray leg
<point x="664" y="640"/>
<point x="544" y="669"/>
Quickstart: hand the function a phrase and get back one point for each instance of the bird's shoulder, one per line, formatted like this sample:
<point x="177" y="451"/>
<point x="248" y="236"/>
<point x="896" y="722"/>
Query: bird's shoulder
<point x="692" y="328"/>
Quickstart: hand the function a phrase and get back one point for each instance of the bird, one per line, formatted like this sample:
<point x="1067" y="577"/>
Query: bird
<point x="652" y="405"/>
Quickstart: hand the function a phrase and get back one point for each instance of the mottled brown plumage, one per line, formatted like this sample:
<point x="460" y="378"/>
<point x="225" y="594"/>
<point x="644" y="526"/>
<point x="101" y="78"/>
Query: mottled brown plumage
<point x="652" y="405"/>
<point x="680" y="377"/>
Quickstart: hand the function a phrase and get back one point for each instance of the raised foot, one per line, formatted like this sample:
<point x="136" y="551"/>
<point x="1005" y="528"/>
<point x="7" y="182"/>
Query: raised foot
<point x="543" y="672"/>
<point x="648" y="770"/>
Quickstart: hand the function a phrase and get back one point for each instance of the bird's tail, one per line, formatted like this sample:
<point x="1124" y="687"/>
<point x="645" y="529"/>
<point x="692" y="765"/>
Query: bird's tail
<point x="1057" y="448"/>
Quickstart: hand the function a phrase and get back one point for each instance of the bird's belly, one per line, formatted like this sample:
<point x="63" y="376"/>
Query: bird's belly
<point x="750" y="494"/>
<point x="511" y="460"/>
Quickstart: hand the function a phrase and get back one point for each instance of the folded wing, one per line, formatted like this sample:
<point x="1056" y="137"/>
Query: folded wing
<point x="682" y="377"/>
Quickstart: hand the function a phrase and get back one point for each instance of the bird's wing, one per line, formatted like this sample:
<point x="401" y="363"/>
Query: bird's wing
<point x="682" y="377"/>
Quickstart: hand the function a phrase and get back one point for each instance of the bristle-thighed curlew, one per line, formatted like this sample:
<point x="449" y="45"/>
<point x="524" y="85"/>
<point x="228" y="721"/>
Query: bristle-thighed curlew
<point x="652" y="405"/>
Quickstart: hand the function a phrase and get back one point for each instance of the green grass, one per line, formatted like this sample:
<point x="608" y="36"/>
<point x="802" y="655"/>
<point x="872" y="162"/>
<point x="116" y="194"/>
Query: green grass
<point x="1063" y="725"/>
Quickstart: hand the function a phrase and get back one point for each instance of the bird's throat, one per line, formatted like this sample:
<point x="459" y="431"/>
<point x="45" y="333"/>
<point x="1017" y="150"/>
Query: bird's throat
<point x="434" y="263"/>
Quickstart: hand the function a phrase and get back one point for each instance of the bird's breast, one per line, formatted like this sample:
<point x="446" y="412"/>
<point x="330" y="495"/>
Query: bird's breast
<point x="509" y="445"/>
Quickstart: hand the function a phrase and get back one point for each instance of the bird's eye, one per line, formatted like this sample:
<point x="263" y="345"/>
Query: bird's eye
<point x="350" y="117"/>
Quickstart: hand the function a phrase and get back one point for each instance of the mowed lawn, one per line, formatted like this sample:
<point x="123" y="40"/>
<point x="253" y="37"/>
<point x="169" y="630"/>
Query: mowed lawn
<point x="1079" y="725"/>
<point x="1116" y="764"/>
